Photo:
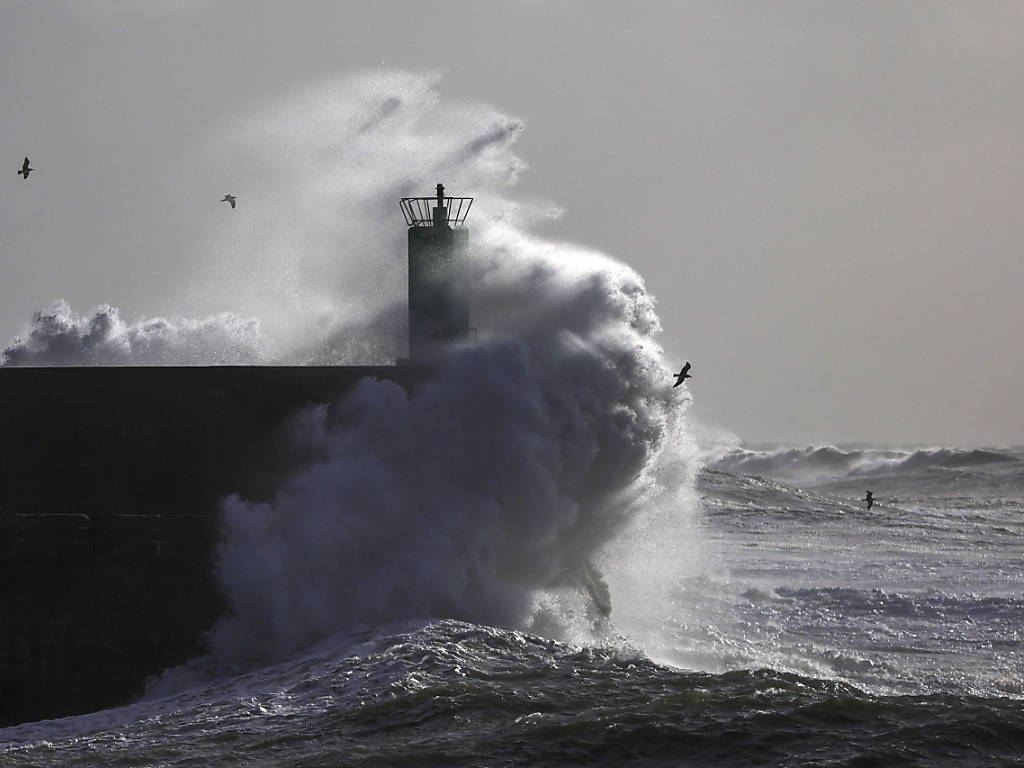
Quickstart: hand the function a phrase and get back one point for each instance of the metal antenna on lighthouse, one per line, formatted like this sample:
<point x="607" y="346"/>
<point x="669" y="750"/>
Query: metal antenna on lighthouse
<point x="440" y="212"/>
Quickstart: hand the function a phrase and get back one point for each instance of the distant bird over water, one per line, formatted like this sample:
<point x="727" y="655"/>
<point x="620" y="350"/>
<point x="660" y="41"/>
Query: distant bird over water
<point x="25" y="170"/>
<point x="683" y="375"/>
<point x="229" y="199"/>
<point x="870" y="499"/>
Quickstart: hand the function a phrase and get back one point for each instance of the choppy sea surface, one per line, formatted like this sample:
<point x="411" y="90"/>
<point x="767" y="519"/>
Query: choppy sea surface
<point x="818" y="633"/>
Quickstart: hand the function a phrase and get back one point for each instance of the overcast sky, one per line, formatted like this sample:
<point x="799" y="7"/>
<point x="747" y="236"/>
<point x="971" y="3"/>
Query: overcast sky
<point x="825" y="197"/>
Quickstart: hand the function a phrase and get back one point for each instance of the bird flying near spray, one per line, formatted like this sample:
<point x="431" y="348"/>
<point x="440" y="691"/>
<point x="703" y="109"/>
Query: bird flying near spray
<point x="683" y="375"/>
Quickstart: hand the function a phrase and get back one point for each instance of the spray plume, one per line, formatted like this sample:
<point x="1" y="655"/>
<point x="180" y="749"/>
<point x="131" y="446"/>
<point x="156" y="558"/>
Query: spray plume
<point x="491" y="493"/>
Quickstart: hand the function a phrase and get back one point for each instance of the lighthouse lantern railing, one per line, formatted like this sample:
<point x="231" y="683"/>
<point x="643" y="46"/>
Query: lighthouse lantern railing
<point x="436" y="211"/>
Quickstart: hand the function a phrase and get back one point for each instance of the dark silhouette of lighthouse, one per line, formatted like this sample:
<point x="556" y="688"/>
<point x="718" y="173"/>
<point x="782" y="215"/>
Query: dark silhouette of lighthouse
<point x="438" y="243"/>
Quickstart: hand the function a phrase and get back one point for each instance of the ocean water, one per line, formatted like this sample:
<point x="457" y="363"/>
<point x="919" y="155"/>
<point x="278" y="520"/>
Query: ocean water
<point x="821" y="633"/>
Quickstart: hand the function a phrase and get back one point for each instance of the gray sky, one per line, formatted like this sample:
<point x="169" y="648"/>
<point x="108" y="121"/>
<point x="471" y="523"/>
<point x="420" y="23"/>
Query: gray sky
<point x="824" y="196"/>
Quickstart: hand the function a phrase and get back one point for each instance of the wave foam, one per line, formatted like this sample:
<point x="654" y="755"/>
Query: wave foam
<point x="58" y="336"/>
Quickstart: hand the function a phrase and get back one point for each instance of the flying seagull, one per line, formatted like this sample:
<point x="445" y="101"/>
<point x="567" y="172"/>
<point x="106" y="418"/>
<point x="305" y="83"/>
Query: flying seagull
<point x="683" y="375"/>
<point x="25" y="170"/>
<point x="870" y="499"/>
<point x="229" y="199"/>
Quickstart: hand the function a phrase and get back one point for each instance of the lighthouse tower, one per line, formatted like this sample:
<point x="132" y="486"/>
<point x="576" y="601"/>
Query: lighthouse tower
<point x="438" y="242"/>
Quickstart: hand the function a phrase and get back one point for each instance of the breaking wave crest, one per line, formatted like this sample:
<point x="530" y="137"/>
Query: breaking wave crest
<point x="826" y="463"/>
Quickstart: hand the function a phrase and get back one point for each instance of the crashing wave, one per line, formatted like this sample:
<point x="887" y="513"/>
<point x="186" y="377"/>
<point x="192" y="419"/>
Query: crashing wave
<point x="828" y="463"/>
<point x="57" y="336"/>
<point x="493" y="492"/>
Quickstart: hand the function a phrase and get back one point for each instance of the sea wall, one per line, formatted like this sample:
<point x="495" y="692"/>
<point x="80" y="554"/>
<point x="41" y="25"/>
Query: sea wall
<point x="110" y="483"/>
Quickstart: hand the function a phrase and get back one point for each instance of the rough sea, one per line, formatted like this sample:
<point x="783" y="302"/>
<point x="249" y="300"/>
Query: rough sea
<point x="821" y="634"/>
<point x="532" y="560"/>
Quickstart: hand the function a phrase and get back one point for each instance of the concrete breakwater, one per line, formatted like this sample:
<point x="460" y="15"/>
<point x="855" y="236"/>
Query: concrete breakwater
<point x="110" y="481"/>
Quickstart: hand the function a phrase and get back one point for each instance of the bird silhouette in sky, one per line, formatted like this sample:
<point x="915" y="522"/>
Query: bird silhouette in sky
<point x="683" y="375"/>
<point x="229" y="199"/>
<point x="25" y="170"/>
